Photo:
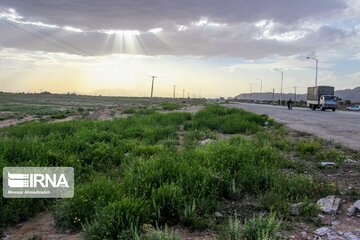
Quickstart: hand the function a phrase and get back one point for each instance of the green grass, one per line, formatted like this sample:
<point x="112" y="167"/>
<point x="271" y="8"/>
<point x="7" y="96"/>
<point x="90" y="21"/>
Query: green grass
<point x="308" y="147"/>
<point x="233" y="229"/>
<point x="90" y="147"/>
<point x="129" y="111"/>
<point x="331" y="155"/>
<point x="226" y="120"/>
<point x="165" y="234"/>
<point x="130" y="173"/>
<point x="169" y="106"/>
<point x="259" y="227"/>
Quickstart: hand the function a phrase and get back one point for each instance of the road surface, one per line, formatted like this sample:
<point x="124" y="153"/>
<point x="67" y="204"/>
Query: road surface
<point x="340" y="127"/>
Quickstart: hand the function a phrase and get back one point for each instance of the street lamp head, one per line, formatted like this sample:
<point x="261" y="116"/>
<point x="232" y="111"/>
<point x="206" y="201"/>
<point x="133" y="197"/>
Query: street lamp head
<point x="278" y="70"/>
<point x="314" y="58"/>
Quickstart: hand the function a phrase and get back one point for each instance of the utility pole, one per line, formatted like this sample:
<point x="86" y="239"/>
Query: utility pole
<point x="282" y="80"/>
<point x="152" y="88"/>
<point x="250" y="91"/>
<point x="317" y="67"/>
<point x="188" y="94"/>
<point x="273" y="96"/>
<point x="260" y="86"/>
<point x="295" y="93"/>
<point x="174" y="92"/>
<point x="183" y="93"/>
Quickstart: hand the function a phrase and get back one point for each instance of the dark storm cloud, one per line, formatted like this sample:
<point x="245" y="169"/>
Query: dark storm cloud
<point x="146" y="14"/>
<point x="229" y="31"/>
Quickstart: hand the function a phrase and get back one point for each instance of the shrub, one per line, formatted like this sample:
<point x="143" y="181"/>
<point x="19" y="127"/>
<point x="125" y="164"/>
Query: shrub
<point x="163" y="235"/>
<point x="72" y="213"/>
<point x="308" y="146"/>
<point x="119" y="220"/>
<point x="129" y="111"/>
<point x="277" y="139"/>
<point x="59" y="116"/>
<point x="143" y="176"/>
<point x="331" y="155"/>
<point x="193" y="136"/>
<point x="16" y="210"/>
<point x="237" y="124"/>
<point x="261" y="227"/>
<point x="226" y="120"/>
<point x="232" y="229"/>
<point x="189" y="216"/>
<point x="171" y="106"/>
<point x="167" y="202"/>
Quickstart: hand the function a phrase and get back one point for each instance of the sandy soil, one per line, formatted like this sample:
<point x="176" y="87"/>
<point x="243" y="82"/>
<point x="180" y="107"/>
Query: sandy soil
<point x="41" y="226"/>
<point x="10" y="122"/>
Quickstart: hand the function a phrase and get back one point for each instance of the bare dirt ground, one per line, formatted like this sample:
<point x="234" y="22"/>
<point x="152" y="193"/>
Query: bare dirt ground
<point x="185" y="234"/>
<point x="191" y="109"/>
<point x="105" y="113"/>
<point x="42" y="226"/>
<point x="102" y="114"/>
<point x="10" y="122"/>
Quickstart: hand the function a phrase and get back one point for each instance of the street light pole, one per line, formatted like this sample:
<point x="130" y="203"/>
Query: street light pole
<point x="260" y="86"/>
<point x="317" y="67"/>
<point x="250" y="90"/>
<point x="282" y="81"/>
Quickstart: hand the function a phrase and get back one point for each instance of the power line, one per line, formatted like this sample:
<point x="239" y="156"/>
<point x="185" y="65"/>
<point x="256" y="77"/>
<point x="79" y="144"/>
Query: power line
<point x="50" y="38"/>
<point x="59" y="43"/>
<point x="37" y="36"/>
<point x="40" y="30"/>
<point x="82" y="51"/>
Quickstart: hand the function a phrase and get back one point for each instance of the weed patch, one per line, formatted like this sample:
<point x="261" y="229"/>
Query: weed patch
<point x="169" y="106"/>
<point x="308" y="147"/>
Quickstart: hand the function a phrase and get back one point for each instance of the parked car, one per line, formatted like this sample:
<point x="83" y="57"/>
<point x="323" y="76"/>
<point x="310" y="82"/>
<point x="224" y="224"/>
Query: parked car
<point x="353" y="108"/>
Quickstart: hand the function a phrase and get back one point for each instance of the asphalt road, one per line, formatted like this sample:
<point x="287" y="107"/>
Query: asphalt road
<point x="340" y="127"/>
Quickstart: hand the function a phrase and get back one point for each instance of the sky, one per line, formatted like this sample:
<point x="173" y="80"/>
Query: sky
<point x="206" y="48"/>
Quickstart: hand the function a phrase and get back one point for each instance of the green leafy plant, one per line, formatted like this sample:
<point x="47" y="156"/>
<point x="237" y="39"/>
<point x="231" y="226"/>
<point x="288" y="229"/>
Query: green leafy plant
<point x="261" y="227"/>
<point x="171" y="106"/>
<point x="72" y="213"/>
<point x="233" y="230"/>
<point x="308" y="146"/>
<point x="129" y="111"/>
<point x="165" y="234"/>
<point x="121" y="219"/>
<point x="167" y="202"/>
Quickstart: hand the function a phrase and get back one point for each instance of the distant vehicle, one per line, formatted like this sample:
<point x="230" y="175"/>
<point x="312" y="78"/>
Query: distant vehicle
<point x="353" y="108"/>
<point x="321" y="97"/>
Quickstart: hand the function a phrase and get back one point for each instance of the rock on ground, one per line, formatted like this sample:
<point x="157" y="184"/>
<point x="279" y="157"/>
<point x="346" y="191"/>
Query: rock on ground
<point x="329" y="204"/>
<point x="355" y="207"/>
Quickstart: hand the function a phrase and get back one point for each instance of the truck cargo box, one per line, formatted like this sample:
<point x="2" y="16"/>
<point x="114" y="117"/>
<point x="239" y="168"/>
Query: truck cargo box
<point x="314" y="93"/>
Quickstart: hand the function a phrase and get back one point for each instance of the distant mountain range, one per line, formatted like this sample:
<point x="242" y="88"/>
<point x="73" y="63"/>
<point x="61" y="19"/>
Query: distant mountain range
<point x="347" y="94"/>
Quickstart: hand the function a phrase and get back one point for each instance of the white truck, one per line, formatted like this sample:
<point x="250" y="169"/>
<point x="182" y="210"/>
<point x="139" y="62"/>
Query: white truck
<point x="321" y="97"/>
